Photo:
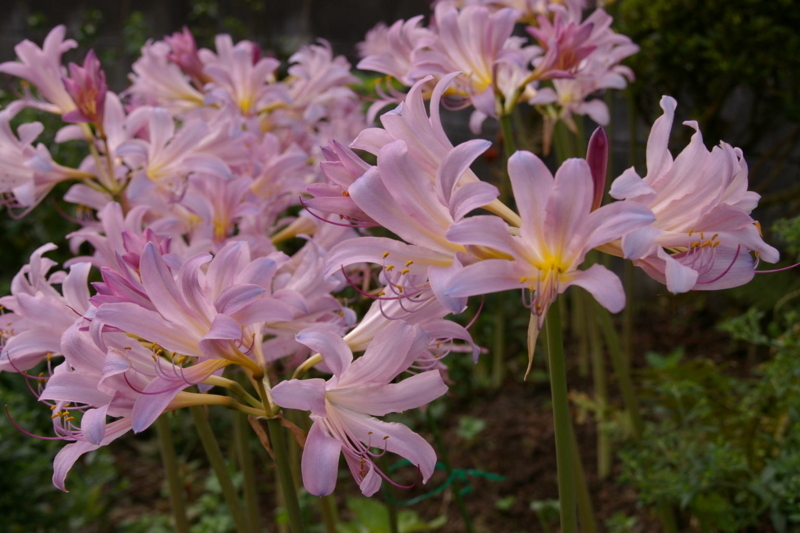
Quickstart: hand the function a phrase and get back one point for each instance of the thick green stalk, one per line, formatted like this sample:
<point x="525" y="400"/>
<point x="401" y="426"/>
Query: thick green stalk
<point x="242" y="429"/>
<point x="437" y="437"/>
<point x="217" y="461"/>
<point x="329" y="515"/>
<point x="621" y="370"/>
<point x="509" y="144"/>
<point x="173" y="478"/>
<point x="499" y="343"/>
<point x="285" y="474"/>
<point x="600" y="396"/>
<point x="585" y="510"/>
<point x="561" y="417"/>
<point x="628" y="278"/>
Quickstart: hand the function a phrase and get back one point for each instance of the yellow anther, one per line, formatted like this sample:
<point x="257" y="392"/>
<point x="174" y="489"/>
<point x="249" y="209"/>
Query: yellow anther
<point x="49" y="356"/>
<point x="127" y="348"/>
<point x="690" y="232"/>
<point x="409" y="263"/>
<point x="523" y="279"/>
<point x="381" y="293"/>
<point x="702" y="236"/>
<point x="369" y="433"/>
<point x="386" y="437"/>
<point x="695" y="244"/>
<point x="56" y="415"/>
<point x="715" y="244"/>
<point x="714" y="236"/>
<point x="405" y="271"/>
<point x="705" y="244"/>
<point x="399" y="288"/>
<point x="385" y="255"/>
<point x="530" y="288"/>
<point x="69" y="419"/>
<point x="52" y="407"/>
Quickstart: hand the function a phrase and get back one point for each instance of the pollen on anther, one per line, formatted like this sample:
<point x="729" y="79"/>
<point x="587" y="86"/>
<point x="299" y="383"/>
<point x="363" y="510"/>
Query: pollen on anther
<point x="385" y="255"/>
<point x="523" y="279"/>
<point x="409" y="262"/>
<point x="389" y="268"/>
<point x="405" y="271"/>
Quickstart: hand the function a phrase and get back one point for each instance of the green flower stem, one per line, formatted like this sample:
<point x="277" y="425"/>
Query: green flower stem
<point x="173" y="478"/>
<point x="628" y="278"/>
<point x="394" y="525"/>
<point x="509" y="144"/>
<point x="437" y="437"/>
<point x="621" y="370"/>
<point x="585" y="510"/>
<point x="499" y="343"/>
<point x="217" y="461"/>
<point x="242" y="429"/>
<point x="558" y="389"/>
<point x="329" y="516"/>
<point x="600" y="394"/>
<point x="285" y="474"/>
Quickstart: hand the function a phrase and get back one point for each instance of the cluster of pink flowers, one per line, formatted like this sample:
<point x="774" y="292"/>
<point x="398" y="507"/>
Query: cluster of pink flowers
<point x="569" y="60"/>
<point x="192" y="169"/>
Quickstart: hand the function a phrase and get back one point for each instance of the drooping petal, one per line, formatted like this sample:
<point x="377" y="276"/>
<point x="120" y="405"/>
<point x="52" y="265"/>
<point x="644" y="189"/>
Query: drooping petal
<point x="320" y="463"/>
<point x="394" y="437"/>
<point x="603" y="284"/>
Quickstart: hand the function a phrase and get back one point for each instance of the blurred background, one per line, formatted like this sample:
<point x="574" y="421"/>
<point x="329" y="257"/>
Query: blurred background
<point x="733" y="65"/>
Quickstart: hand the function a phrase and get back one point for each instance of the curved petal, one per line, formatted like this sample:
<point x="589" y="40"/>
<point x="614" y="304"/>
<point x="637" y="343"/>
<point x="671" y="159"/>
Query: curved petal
<point x="492" y="275"/>
<point x="378" y="400"/>
<point x="394" y="437"/>
<point x="332" y="347"/>
<point x="391" y="351"/>
<point x="320" y="463"/>
<point x="603" y="284"/>
<point x="302" y="394"/>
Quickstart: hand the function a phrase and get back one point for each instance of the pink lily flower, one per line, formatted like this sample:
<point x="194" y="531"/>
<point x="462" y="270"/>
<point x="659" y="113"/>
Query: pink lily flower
<point x="703" y="231"/>
<point x="558" y="228"/>
<point x="471" y="40"/>
<point x="343" y="407"/>
<point x="39" y="314"/>
<point x="184" y="54"/>
<point x="42" y="68"/>
<point x="87" y="87"/>
<point x="28" y="173"/>
<point x="159" y="82"/>
<point x="238" y="75"/>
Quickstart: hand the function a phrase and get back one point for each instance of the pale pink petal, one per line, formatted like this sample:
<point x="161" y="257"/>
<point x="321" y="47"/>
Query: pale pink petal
<point x="658" y="157"/>
<point x="492" y="275"/>
<point x="149" y="325"/>
<point x="93" y="424"/>
<point x="320" y="463"/>
<point x="679" y="278"/>
<point x="334" y="350"/>
<point x="630" y="185"/>
<point x="378" y="400"/>
<point x="613" y="221"/>
<point x="532" y="183"/>
<point x="70" y="453"/>
<point x="391" y="352"/>
<point x="302" y="394"/>
<point x="603" y="284"/>
<point x="484" y="230"/>
<point x="401" y="440"/>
